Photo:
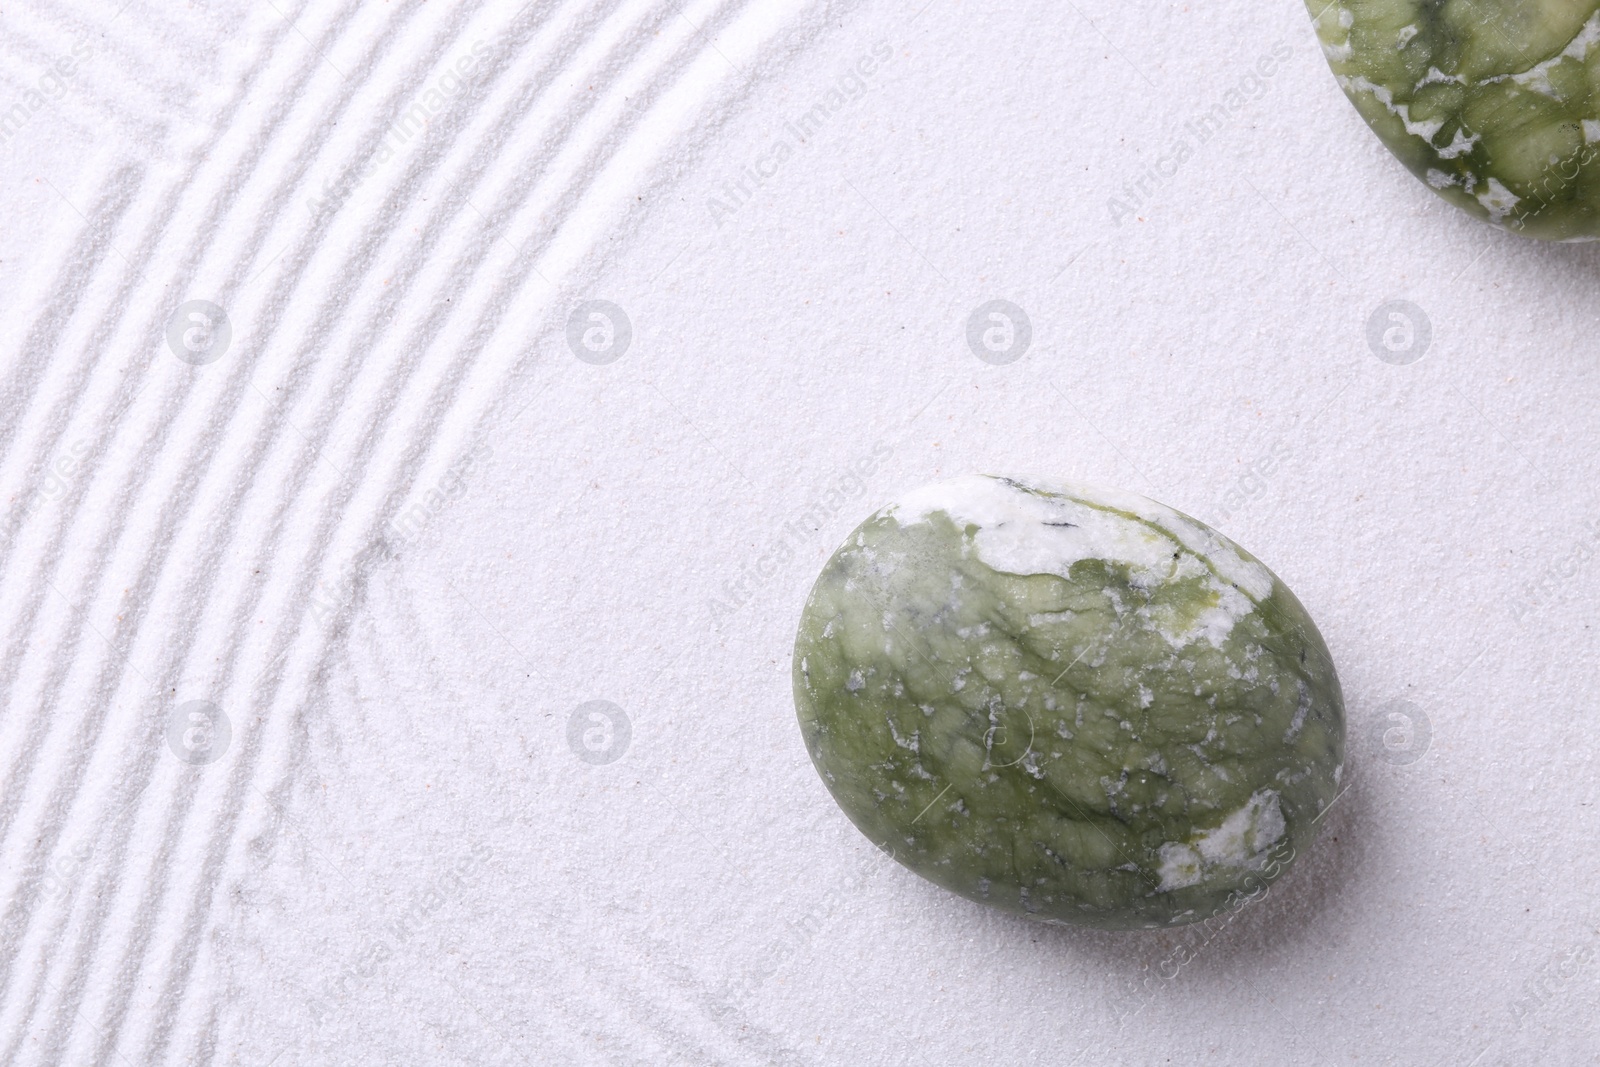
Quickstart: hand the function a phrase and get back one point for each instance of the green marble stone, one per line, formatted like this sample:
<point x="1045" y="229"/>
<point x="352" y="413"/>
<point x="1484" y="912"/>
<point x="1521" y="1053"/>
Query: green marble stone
<point x="1071" y="703"/>
<point x="1495" y="104"/>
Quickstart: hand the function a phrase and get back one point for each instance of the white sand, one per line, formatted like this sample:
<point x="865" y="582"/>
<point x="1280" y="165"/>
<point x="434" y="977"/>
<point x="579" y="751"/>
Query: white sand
<point x="398" y="532"/>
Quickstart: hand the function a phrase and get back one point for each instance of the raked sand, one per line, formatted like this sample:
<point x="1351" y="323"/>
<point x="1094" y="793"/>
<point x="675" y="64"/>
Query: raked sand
<point x="404" y="676"/>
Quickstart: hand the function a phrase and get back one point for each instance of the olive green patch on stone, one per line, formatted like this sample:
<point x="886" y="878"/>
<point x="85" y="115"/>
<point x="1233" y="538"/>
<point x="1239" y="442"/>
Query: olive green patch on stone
<point x="1495" y="104"/>
<point x="1071" y="703"/>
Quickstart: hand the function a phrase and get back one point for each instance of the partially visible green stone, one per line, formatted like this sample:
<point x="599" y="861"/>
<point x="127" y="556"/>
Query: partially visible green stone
<point x="1495" y="104"/>
<point x="1067" y="702"/>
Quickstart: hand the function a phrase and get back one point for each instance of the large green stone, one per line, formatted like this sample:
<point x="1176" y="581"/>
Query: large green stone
<point x="1495" y="104"/>
<point x="1072" y="703"/>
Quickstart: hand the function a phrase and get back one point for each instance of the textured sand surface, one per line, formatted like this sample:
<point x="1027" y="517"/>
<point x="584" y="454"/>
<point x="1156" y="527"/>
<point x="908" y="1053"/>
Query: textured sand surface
<point x="414" y="517"/>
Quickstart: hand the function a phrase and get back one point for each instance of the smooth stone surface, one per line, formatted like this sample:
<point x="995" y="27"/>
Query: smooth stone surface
<point x="1495" y="104"/>
<point x="1072" y="703"/>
